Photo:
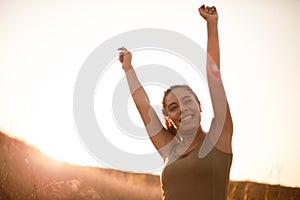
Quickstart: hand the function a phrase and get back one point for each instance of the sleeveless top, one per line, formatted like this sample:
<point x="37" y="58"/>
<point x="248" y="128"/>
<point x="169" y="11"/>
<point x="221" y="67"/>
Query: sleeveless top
<point x="193" y="178"/>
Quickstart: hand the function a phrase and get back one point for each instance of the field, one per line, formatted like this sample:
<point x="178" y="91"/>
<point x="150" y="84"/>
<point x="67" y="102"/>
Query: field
<point x="26" y="173"/>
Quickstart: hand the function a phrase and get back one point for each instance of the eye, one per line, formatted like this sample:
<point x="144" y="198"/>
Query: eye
<point x="187" y="101"/>
<point x="173" y="108"/>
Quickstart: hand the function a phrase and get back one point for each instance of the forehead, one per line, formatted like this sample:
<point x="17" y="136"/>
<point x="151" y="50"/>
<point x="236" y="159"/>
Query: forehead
<point x="177" y="93"/>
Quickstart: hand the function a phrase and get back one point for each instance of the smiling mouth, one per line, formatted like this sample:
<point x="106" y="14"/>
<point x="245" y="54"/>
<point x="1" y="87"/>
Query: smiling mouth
<point x="185" y="118"/>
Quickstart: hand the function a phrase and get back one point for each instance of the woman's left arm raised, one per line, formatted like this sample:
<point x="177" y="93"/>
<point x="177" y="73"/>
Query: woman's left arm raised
<point x="221" y="129"/>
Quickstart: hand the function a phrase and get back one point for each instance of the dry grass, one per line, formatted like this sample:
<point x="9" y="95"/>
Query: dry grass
<point x="27" y="174"/>
<point x="257" y="191"/>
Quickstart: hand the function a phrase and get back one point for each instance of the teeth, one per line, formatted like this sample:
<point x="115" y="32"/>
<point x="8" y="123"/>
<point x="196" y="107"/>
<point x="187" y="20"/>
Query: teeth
<point x="187" y="117"/>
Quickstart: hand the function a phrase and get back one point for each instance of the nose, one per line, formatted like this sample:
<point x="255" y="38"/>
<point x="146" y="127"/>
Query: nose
<point x="183" y="108"/>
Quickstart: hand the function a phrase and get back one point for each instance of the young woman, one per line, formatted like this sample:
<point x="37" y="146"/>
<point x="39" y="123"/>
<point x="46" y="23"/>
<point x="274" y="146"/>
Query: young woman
<point x="188" y="174"/>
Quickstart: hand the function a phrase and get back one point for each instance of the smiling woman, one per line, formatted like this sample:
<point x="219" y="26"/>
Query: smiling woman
<point x="44" y="44"/>
<point x="189" y="174"/>
<point x="187" y="98"/>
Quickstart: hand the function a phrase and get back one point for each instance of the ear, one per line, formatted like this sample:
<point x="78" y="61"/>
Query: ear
<point x="167" y="122"/>
<point x="170" y="122"/>
<point x="199" y="104"/>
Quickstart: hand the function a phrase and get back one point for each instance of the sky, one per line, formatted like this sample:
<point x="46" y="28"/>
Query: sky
<point x="43" y="45"/>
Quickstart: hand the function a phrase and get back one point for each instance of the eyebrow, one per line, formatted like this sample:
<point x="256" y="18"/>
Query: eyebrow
<point x="182" y="99"/>
<point x="185" y="97"/>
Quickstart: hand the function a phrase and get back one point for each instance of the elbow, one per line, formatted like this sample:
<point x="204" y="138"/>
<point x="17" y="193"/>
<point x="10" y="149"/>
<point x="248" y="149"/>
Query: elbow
<point x="141" y="101"/>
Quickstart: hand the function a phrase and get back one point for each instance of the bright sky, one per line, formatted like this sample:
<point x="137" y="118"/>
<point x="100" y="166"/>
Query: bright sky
<point x="43" y="45"/>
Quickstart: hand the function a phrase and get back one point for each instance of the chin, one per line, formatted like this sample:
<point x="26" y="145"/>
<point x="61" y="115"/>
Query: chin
<point x="188" y="130"/>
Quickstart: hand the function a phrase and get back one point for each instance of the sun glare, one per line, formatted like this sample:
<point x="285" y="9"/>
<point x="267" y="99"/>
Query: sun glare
<point x="44" y="45"/>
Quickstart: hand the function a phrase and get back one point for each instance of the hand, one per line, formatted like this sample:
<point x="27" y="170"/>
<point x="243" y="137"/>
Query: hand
<point x="208" y="13"/>
<point x="125" y="58"/>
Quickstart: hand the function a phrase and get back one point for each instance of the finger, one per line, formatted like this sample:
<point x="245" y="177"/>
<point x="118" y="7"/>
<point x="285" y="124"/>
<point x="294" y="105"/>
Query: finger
<point x="123" y="49"/>
<point x="206" y="9"/>
<point x="202" y="8"/>
<point x="121" y="58"/>
<point x="213" y="9"/>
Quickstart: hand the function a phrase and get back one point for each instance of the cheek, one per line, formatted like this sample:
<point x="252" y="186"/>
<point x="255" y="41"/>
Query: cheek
<point x="173" y="116"/>
<point x="197" y="108"/>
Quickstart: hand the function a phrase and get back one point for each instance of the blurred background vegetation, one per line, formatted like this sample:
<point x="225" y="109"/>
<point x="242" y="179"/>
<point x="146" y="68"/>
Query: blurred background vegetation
<point x="26" y="173"/>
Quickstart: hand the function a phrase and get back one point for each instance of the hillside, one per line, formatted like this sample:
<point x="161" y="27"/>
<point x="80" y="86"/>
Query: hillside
<point x="25" y="173"/>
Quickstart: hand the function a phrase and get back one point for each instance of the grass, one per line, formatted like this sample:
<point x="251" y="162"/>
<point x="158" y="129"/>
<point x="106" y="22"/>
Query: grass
<point x="247" y="190"/>
<point x="27" y="174"/>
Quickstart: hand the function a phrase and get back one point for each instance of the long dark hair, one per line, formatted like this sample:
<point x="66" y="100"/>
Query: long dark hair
<point x="170" y="126"/>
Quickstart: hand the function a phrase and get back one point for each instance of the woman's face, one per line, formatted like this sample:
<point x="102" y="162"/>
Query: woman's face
<point x="184" y="110"/>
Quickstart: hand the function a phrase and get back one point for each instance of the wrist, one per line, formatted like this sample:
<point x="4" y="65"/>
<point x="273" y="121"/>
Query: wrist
<point x="212" y="22"/>
<point x="127" y="67"/>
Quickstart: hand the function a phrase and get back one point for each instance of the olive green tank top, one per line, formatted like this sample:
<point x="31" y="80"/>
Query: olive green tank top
<point x="192" y="178"/>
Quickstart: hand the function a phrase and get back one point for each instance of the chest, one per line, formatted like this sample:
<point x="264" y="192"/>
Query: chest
<point x="190" y="167"/>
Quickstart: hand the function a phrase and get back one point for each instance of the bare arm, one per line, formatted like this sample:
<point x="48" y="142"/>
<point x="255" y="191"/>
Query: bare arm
<point x="159" y="136"/>
<point x="221" y="128"/>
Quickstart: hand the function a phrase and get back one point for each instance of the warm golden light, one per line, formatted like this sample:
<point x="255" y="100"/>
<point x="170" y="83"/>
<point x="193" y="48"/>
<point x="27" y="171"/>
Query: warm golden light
<point x="43" y="46"/>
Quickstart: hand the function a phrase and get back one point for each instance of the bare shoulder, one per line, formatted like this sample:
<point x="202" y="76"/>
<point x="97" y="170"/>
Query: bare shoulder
<point x="163" y="141"/>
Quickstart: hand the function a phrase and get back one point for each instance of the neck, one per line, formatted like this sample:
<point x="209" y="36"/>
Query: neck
<point x="194" y="138"/>
<point x="190" y="141"/>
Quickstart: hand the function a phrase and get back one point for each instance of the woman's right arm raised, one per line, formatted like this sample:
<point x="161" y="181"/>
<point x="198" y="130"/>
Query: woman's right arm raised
<point x="159" y="136"/>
